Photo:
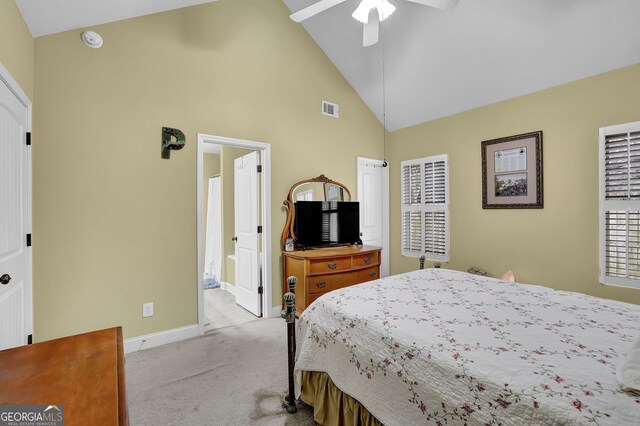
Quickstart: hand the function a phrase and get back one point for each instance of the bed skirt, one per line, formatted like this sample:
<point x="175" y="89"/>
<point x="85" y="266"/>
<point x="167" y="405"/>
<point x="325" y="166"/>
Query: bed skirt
<point x="331" y="406"/>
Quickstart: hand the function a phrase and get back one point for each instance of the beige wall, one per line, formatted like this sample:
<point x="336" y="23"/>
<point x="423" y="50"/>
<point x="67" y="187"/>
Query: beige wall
<point x="115" y="225"/>
<point x="558" y="245"/>
<point x="210" y="168"/>
<point x="16" y="46"/>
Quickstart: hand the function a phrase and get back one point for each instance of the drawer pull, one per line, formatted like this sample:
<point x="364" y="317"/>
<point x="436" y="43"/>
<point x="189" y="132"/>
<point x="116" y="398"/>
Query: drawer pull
<point x="367" y="260"/>
<point x="372" y="274"/>
<point x="332" y="265"/>
<point x="321" y="284"/>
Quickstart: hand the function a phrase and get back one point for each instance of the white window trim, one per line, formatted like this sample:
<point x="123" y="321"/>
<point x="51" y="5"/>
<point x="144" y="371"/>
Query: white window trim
<point x="427" y="207"/>
<point x="612" y="205"/>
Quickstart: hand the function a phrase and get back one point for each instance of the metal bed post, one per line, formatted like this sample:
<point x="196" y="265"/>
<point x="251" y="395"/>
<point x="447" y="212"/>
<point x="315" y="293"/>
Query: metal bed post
<point x="289" y="314"/>
<point x="422" y="259"/>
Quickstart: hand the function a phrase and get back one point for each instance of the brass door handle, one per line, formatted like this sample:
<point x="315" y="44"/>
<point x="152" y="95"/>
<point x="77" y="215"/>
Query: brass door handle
<point x="4" y="280"/>
<point x="332" y="265"/>
<point x="367" y="260"/>
<point x="321" y="284"/>
<point x="235" y="239"/>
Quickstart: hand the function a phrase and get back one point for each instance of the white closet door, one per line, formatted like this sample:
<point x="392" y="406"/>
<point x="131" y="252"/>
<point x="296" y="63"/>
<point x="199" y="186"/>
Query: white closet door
<point x="15" y="286"/>
<point x="373" y="182"/>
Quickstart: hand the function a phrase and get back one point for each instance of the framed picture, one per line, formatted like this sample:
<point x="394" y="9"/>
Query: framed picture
<point x="512" y="172"/>
<point x="333" y="192"/>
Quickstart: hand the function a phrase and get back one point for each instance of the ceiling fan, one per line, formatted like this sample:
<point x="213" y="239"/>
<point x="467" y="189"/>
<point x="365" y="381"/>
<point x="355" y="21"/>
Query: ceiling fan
<point x="371" y="26"/>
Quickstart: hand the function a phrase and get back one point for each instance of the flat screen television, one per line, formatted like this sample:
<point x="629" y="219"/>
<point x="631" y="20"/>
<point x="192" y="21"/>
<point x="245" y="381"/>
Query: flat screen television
<point x="323" y="223"/>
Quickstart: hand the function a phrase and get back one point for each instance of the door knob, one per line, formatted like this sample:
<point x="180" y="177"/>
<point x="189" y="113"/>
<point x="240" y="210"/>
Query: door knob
<point x="4" y="280"/>
<point x="234" y="239"/>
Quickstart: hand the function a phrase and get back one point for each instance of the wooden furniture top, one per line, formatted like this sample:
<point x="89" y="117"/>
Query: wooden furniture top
<point x="331" y="252"/>
<point x="84" y="373"/>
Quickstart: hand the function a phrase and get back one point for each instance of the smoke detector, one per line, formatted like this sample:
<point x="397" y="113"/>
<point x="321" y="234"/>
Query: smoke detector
<point x="92" y="39"/>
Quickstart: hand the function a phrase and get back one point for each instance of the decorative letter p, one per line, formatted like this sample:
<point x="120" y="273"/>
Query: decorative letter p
<point x="168" y="144"/>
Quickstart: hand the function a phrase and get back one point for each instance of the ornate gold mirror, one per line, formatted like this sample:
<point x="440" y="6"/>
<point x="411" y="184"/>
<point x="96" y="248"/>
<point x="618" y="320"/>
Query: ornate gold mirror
<point x="320" y="188"/>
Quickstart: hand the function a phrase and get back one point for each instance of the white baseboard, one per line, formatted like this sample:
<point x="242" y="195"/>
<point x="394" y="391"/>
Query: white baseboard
<point x="276" y="311"/>
<point x="161" y="338"/>
<point x="228" y="287"/>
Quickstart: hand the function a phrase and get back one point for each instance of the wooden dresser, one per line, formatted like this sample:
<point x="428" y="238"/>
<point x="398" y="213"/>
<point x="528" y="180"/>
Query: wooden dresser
<point x="323" y="270"/>
<point x="83" y="373"/>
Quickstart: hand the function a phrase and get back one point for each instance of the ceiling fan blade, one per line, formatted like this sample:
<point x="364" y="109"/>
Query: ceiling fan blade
<point x="438" y="4"/>
<point x="314" y="9"/>
<point x="370" y="31"/>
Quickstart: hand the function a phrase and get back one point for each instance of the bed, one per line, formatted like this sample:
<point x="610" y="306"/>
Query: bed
<point x="443" y="347"/>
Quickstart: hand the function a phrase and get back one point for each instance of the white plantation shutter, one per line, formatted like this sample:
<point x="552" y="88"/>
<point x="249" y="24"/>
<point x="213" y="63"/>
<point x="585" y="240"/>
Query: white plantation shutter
<point x="330" y="221"/>
<point x="620" y="205"/>
<point x="412" y="232"/>
<point x="425" y="208"/>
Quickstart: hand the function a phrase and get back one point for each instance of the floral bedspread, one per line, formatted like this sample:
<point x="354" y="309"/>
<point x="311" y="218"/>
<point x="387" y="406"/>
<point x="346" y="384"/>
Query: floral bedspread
<point x="445" y="347"/>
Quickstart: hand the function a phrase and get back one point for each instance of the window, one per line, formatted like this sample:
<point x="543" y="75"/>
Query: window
<point x="305" y="195"/>
<point x="425" y="207"/>
<point x="620" y="205"/>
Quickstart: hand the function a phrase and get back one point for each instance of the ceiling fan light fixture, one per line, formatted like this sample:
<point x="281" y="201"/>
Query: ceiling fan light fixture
<point x="384" y="8"/>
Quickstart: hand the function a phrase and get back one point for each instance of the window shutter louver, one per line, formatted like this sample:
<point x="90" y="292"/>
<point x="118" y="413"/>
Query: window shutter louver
<point x="620" y="205"/>
<point x="434" y="183"/>
<point x="411" y="232"/>
<point x="434" y="232"/>
<point x="411" y="190"/>
<point x="330" y="221"/>
<point x="425" y="208"/>
<point x="622" y="244"/>
<point x="406" y="185"/>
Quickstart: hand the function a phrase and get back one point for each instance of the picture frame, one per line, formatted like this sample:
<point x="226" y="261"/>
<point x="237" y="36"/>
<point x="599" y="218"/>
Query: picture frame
<point x="512" y="172"/>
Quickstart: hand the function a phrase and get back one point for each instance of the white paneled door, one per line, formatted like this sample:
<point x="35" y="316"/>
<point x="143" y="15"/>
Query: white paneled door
<point x="247" y="214"/>
<point x="373" y="196"/>
<point x="15" y="193"/>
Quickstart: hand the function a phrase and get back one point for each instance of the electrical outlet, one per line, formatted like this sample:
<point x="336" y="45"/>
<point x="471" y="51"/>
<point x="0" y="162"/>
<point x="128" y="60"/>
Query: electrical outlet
<point x="147" y="310"/>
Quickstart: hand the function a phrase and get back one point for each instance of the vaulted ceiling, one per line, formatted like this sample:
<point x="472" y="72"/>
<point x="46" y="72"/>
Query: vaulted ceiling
<point x="54" y="16"/>
<point x="439" y="63"/>
<point x="436" y="63"/>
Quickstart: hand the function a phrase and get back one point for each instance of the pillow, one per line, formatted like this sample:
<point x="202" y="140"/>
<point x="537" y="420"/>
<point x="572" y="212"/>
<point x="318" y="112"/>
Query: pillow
<point x="508" y="276"/>
<point x="628" y="372"/>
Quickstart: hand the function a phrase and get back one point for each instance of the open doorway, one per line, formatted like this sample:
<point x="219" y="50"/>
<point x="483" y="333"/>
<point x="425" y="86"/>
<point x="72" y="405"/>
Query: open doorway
<point x="234" y="257"/>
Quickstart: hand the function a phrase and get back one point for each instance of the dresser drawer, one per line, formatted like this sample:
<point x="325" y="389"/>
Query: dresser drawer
<point x="325" y="283"/>
<point x="324" y="270"/>
<point x="362" y="260"/>
<point x="368" y="274"/>
<point x="321" y="266"/>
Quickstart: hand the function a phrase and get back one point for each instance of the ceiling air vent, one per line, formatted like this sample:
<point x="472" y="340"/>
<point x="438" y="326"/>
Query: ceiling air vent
<point x="330" y="109"/>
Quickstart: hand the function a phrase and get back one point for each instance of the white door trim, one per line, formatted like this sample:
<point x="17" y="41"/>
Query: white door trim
<point x="265" y="182"/>
<point x="384" y="267"/>
<point x="13" y="85"/>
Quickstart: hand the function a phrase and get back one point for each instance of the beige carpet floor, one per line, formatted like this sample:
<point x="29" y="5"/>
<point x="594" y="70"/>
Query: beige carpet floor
<point x="221" y="310"/>
<point x="233" y="376"/>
